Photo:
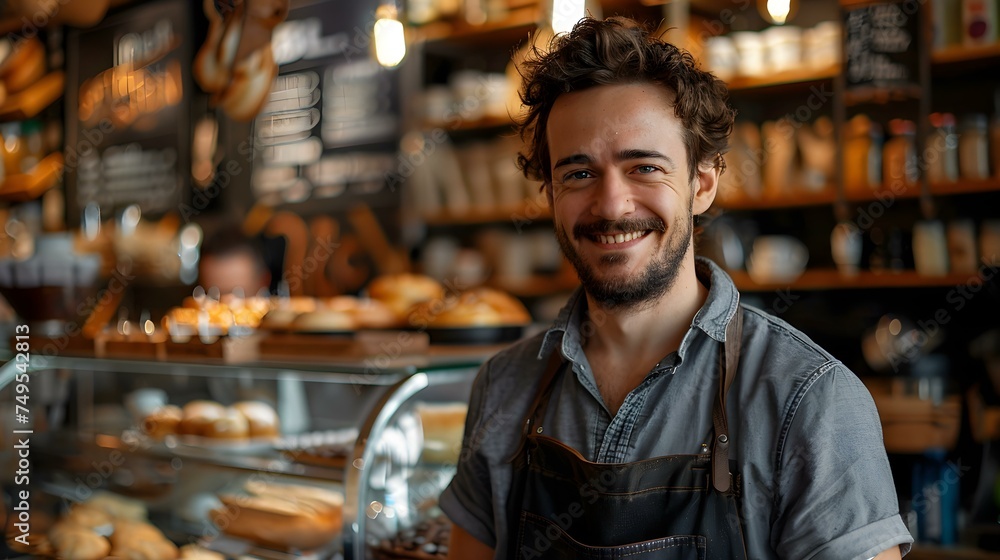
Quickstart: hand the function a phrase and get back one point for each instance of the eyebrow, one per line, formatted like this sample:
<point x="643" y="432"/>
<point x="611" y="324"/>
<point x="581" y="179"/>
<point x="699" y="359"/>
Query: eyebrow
<point x="623" y="155"/>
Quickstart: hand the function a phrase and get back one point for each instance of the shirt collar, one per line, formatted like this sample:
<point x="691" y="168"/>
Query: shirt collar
<point x="712" y="319"/>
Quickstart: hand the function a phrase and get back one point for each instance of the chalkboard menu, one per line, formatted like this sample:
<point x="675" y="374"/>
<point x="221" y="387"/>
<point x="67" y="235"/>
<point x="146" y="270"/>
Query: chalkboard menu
<point x="128" y="102"/>
<point x="881" y="44"/>
<point x="331" y="125"/>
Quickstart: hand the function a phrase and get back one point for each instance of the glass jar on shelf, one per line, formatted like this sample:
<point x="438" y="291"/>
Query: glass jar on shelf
<point x="899" y="156"/>
<point x="13" y="147"/>
<point x="33" y="145"/>
<point x="942" y="149"/>
<point x="973" y="148"/>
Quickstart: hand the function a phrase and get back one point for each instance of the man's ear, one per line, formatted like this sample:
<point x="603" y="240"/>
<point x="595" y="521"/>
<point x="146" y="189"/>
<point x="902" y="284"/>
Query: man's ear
<point x="705" y="185"/>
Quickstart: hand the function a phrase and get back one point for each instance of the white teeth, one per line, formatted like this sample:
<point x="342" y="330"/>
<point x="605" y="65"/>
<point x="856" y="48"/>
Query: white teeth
<point x="619" y="238"/>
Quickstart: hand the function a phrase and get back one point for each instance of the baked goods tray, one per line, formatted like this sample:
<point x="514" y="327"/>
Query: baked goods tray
<point x="358" y="344"/>
<point x="226" y="349"/>
<point x="200" y="446"/>
<point x="237" y="548"/>
<point x="232" y="547"/>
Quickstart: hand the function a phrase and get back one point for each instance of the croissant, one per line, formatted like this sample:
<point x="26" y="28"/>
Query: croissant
<point x="214" y="62"/>
<point x="251" y="84"/>
<point x="236" y="64"/>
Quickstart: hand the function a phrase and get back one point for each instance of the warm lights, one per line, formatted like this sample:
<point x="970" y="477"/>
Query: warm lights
<point x="566" y="13"/>
<point x="390" y="41"/>
<point x="777" y="11"/>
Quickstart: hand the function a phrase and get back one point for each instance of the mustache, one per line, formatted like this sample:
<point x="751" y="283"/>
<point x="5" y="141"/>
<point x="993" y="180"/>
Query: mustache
<point x="605" y="227"/>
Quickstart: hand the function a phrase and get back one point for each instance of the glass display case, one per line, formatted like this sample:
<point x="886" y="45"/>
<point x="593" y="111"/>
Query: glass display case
<point x="354" y="471"/>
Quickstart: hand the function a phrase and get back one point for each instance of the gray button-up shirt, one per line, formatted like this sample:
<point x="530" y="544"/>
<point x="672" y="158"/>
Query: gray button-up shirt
<point x="805" y="432"/>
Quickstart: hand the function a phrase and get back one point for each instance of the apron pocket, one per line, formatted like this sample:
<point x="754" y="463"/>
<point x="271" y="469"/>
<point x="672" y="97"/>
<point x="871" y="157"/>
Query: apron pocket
<point x="541" y="539"/>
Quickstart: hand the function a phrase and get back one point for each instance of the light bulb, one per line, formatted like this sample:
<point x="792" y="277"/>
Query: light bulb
<point x="566" y="13"/>
<point x="390" y="41"/>
<point x="777" y="12"/>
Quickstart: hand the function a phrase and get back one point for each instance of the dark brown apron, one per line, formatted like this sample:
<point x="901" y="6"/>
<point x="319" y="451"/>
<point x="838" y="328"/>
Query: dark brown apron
<point x="677" y="507"/>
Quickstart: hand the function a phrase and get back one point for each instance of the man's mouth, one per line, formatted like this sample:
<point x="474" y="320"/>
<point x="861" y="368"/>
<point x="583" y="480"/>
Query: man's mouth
<point x="619" y="237"/>
<point x="609" y="232"/>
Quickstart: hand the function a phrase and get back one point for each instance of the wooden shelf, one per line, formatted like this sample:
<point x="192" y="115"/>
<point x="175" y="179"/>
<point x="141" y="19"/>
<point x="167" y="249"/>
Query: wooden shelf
<point x="31" y="101"/>
<point x="505" y="33"/>
<point x="538" y="286"/>
<point x="20" y="187"/>
<point x="958" y="53"/>
<point x="860" y="95"/>
<point x="869" y="194"/>
<point x="462" y="125"/>
<point x="791" y="200"/>
<point x="860" y="194"/>
<point x="519" y="214"/>
<point x="962" y="186"/>
<point x="966" y="186"/>
<point x="831" y="279"/>
<point x="788" y="78"/>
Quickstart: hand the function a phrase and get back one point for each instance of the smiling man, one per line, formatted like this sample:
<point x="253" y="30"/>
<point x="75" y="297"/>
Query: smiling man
<point x="658" y="417"/>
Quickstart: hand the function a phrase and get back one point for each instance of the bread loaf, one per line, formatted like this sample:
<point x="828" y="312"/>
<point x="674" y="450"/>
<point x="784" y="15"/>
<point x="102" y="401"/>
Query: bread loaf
<point x="89" y="517"/>
<point x="232" y="425"/>
<point x="262" y="419"/>
<point x="402" y="291"/>
<point x="198" y="415"/>
<point x="73" y="542"/>
<point x="195" y="552"/>
<point x="164" y="421"/>
<point x="279" y="522"/>
<point x="475" y="308"/>
<point x="324" y="321"/>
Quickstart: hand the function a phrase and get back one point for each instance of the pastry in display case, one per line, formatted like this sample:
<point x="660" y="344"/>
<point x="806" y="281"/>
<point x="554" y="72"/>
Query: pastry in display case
<point x="157" y="459"/>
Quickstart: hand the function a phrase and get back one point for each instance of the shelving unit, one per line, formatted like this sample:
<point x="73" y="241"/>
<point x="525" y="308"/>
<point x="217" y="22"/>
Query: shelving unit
<point x="958" y="54"/>
<point x="831" y="279"/>
<point x="791" y="200"/>
<point x="28" y="103"/>
<point x="19" y="187"/>
<point x="516" y="27"/>
<point x="539" y="285"/>
<point x="788" y="79"/>
<point x="461" y="125"/>
<point x="511" y="215"/>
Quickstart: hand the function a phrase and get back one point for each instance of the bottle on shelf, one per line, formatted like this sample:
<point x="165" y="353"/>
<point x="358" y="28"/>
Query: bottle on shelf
<point x="34" y="145"/>
<point x="979" y="22"/>
<point x="973" y="148"/>
<point x="13" y="147"/>
<point x="899" y="156"/>
<point x="862" y="155"/>
<point x="941" y="155"/>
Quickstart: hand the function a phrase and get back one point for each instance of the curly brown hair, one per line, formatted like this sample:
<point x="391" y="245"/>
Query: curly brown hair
<point x="621" y="51"/>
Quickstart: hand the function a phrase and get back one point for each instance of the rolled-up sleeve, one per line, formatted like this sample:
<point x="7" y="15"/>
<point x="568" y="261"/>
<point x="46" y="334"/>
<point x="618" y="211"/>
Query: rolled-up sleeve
<point x="836" y="498"/>
<point x="468" y="499"/>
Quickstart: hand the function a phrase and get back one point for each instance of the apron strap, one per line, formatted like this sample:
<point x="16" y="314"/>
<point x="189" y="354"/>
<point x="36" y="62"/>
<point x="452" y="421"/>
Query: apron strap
<point x="536" y="414"/>
<point x="536" y="411"/>
<point x="728" y="362"/>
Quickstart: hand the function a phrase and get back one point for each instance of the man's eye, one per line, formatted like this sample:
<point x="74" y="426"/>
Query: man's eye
<point x="578" y="175"/>
<point x="645" y="169"/>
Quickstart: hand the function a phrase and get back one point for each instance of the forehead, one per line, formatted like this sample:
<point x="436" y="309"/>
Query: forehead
<point x="613" y="117"/>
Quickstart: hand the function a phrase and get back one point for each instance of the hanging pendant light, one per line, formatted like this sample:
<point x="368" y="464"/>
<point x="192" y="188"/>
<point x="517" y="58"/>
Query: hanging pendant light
<point x="390" y="39"/>
<point x="777" y="12"/>
<point x="565" y="14"/>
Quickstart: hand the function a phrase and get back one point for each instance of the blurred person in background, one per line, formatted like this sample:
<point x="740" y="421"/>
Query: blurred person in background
<point x="229" y="260"/>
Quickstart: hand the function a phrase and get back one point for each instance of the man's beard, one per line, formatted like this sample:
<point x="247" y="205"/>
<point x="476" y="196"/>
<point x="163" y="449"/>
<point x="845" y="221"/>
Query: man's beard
<point x="630" y="292"/>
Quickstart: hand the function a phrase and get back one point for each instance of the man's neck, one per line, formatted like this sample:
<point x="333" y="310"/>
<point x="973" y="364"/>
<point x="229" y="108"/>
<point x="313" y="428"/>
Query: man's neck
<point x="653" y="331"/>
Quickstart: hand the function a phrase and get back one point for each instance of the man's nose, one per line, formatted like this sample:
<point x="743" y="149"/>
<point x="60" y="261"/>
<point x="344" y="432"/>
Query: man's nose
<point x="613" y="197"/>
